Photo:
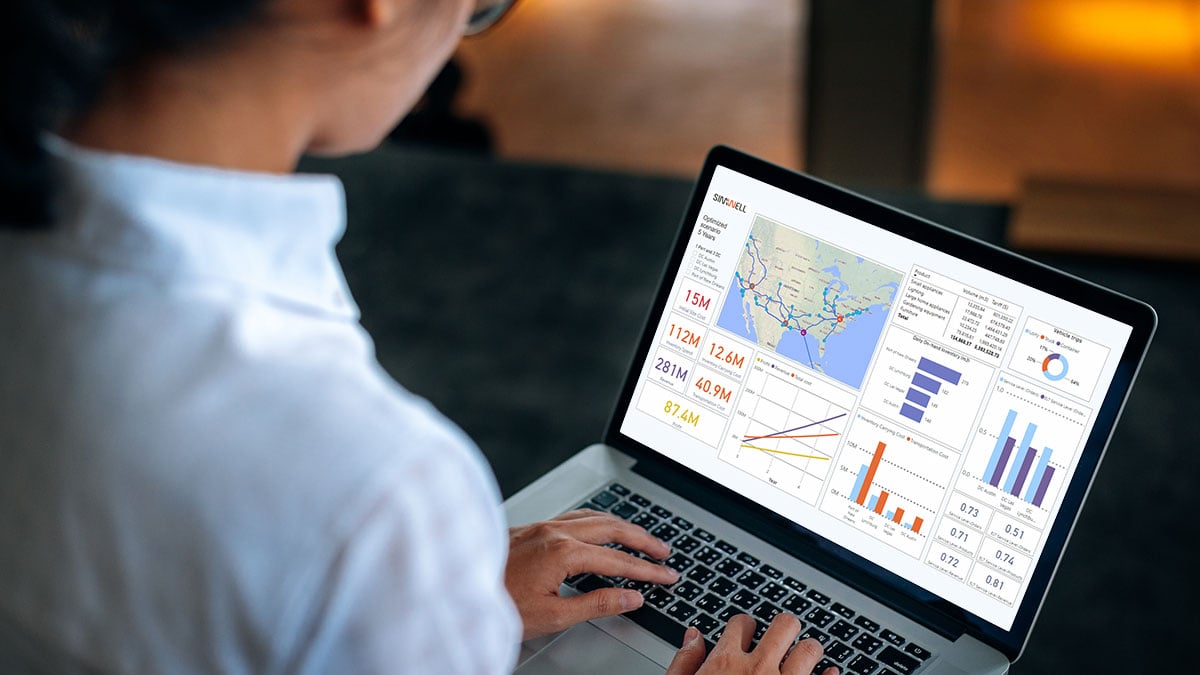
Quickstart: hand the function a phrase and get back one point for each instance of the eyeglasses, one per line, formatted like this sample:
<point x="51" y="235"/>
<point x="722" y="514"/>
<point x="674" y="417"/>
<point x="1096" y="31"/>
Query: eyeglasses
<point x="486" y="14"/>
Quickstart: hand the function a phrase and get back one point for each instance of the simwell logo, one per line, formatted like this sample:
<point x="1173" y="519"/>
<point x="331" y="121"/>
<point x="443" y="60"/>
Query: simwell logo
<point x="736" y="206"/>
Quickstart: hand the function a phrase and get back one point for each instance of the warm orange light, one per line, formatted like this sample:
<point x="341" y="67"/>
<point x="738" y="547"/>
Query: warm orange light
<point x="1161" y="34"/>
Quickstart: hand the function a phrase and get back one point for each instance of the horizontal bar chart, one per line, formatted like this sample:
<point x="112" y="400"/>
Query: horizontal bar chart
<point x="927" y="382"/>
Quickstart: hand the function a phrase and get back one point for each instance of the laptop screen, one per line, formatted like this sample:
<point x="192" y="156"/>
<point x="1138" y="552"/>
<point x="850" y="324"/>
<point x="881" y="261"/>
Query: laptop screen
<point x="912" y="407"/>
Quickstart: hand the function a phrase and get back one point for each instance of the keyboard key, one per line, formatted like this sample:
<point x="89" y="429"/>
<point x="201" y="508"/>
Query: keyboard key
<point x="744" y="599"/>
<point x="897" y="660"/>
<point x="728" y="613"/>
<point x="818" y="617"/>
<point x="843" y="631"/>
<point x="866" y="624"/>
<point x="701" y="574"/>
<point x="681" y="523"/>
<point x="704" y="623"/>
<point x="774" y="592"/>
<point x="771" y="572"/>
<point x="863" y="665"/>
<point x="681" y="611"/>
<point x="688" y="590"/>
<point x="680" y="562"/>
<point x="605" y="498"/>
<point x="917" y="651"/>
<point x="726" y="547"/>
<point x="840" y="609"/>
<point x="759" y="629"/>
<point x="766" y="611"/>
<point x="722" y="586"/>
<point x="750" y="560"/>
<point x="591" y="582"/>
<point x="796" y="605"/>
<point x="887" y="671"/>
<point x="794" y="584"/>
<point x="729" y="567"/>
<point x="823" y="664"/>
<point x="703" y="535"/>
<point x="624" y="510"/>
<point x="817" y="597"/>
<point x="660" y="511"/>
<point x="665" y="532"/>
<point x="708" y="556"/>
<point x="659" y="597"/>
<point x="815" y="634"/>
<point x="660" y="624"/>
<point x="588" y="505"/>
<point x="893" y="638"/>
<point x="867" y="643"/>
<point x="639" y="500"/>
<point x="639" y="586"/>
<point x="838" y="651"/>
<point x="645" y="520"/>
<point x="711" y="603"/>
<point x="751" y="579"/>
<point x="685" y="543"/>
<point x="619" y="489"/>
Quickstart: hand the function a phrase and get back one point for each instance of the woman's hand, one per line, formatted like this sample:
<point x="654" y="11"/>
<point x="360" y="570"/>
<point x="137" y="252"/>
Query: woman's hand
<point x="775" y="652"/>
<point x="542" y="555"/>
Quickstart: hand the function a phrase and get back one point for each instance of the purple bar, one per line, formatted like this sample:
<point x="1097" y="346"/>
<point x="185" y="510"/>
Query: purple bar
<point x="917" y="397"/>
<point x="938" y="370"/>
<point x="914" y="414"/>
<point x="927" y="383"/>
<point x="1026" y="463"/>
<point x="994" y="481"/>
<point x="1041" y="491"/>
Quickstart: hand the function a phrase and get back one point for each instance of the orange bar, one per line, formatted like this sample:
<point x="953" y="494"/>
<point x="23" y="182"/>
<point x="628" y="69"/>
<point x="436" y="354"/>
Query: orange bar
<point x="866" y="486"/>
<point x="899" y="514"/>
<point x="917" y="524"/>
<point x="882" y="500"/>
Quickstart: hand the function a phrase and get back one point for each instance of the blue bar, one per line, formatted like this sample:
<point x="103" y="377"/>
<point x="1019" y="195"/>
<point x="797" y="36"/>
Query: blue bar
<point x="1037" y="475"/>
<point x="1005" y="432"/>
<point x="914" y="414"/>
<point x="1015" y="467"/>
<point x="939" y="371"/>
<point x="927" y="383"/>
<point x="862" y="475"/>
<point x="918" y="398"/>
<point x="871" y="504"/>
<point x="891" y="514"/>
<point x="908" y="526"/>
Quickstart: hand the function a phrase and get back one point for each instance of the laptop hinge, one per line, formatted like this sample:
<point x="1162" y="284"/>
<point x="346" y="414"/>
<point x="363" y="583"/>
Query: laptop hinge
<point x="921" y="606"/>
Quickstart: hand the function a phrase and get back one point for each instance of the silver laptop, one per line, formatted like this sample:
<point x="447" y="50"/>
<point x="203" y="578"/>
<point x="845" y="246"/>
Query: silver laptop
<point x="848" y="413"/>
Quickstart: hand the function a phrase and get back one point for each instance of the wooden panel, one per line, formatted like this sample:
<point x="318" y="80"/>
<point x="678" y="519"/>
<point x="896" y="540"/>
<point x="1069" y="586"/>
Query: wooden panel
<point x="1111" y="220"/>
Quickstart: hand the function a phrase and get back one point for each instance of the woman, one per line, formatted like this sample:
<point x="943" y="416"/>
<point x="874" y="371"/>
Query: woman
<point x="202" y="467"/>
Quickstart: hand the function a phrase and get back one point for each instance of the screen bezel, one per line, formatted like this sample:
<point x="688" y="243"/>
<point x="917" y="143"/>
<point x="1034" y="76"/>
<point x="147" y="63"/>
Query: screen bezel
<point x="902" y="595"/>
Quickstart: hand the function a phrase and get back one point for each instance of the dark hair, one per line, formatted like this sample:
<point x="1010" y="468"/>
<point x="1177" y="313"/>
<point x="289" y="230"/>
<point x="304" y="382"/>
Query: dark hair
<point x="56" y="56"/>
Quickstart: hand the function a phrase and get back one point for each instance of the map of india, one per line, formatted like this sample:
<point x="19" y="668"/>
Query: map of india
<point x="809" y="301"/>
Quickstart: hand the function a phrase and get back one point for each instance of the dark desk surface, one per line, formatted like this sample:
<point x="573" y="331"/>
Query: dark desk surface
<point x="511" y="296"/>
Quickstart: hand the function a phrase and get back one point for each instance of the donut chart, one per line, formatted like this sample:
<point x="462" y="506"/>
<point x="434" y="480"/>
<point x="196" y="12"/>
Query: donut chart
<point x="1048" y="366"/>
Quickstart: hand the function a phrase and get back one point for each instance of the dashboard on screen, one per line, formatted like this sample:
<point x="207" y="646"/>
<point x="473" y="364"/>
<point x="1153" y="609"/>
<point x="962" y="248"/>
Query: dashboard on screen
<point x="914" y="408"/>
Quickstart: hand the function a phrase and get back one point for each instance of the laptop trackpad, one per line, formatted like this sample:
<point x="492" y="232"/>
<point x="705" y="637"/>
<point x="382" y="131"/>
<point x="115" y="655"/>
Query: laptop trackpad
<point x="587" y="650"/>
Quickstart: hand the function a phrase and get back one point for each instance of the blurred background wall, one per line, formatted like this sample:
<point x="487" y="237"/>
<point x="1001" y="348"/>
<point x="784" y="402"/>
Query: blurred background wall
<point x="1100" y="91"/>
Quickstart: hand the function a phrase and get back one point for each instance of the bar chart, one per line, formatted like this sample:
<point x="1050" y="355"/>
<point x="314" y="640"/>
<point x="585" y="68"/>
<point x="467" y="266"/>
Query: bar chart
<point x="928" y="380"/>
<point x="927" y="387"/>
<point x="1002" y="457"/>
<point x="1023" y="451"/>
<point x="878" y="501"/>
<point x="889" y="483"/>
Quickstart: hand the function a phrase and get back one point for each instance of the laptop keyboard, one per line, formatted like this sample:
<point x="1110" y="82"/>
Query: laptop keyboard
<point x="718" y="580"/>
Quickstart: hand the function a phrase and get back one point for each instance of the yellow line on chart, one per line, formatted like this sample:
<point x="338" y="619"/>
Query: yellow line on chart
<point x="780" y="452"/>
